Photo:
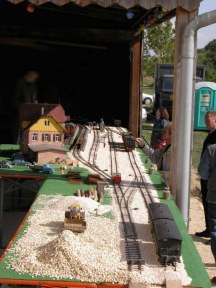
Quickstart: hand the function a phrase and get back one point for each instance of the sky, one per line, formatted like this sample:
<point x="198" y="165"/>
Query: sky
<point x="208" y="33"/>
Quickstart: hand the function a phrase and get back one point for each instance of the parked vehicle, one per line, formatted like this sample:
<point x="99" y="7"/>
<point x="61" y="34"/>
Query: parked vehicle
<point x="163" y="84"/>
<point x="45" y="168"/>
<point x="18" y="155"/>
<point x="5" y="164"/>
<point x="147" y="98"/>
<point x="21" y="162"/>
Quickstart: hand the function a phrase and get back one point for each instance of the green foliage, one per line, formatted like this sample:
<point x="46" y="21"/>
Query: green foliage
<point x="159" y="44"/>
<point x="148" y="90"/>
<point x="210" y="74"/>
<point x="207" y="56"/>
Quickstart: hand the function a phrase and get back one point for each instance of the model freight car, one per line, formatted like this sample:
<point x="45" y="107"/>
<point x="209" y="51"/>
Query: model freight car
<point x="129" y="141"/>
<point x="168" y="240"/>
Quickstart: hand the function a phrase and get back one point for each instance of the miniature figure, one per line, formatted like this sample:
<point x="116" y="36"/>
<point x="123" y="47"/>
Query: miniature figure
<point x="101" y="125"/>
<point x="90" y="126"/>
<point x="62" y="170"/>
<point x="100" y="190"/>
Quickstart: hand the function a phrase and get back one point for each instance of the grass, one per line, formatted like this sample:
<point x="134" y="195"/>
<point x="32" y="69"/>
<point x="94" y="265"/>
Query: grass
<point x="148" y="90"/>
<point x="148" y="85"/>
<point x="198" y="139"/>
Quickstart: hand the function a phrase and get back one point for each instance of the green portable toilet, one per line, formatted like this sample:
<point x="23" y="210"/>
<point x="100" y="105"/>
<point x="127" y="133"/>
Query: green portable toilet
<point x="205" y="100"/>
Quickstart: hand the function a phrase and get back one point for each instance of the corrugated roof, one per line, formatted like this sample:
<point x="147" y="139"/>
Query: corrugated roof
<point x="146" y="4"/>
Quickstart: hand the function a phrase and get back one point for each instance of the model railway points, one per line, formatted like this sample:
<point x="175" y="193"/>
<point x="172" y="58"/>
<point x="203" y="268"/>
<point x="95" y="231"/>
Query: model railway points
<point x="117" y="242"/>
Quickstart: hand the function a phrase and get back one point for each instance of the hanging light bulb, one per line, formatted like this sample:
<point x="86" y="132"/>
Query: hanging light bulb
<point x="30" y="8"/>
<point x="130" y="14"/>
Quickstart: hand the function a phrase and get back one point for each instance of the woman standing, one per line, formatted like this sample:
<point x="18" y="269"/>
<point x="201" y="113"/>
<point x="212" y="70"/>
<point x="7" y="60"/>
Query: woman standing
<point x="162" y="119"/>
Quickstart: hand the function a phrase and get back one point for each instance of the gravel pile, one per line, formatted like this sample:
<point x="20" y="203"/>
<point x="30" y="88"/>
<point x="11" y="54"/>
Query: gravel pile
<point x="91" y="256"/>
<point x="89" y="205"/>
<point x="97" y="255"/>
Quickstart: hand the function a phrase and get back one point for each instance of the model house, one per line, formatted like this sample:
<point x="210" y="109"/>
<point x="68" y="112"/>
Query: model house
<point x="42" y="132"/>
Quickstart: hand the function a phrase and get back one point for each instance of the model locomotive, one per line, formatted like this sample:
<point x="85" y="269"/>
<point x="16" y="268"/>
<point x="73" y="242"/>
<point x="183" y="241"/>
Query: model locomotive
<point x="129" y="141"/>
<point x="168" y="240"/>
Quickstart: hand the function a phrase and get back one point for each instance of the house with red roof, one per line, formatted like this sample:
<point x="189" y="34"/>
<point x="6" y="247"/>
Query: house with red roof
<point x="43" y="131"/>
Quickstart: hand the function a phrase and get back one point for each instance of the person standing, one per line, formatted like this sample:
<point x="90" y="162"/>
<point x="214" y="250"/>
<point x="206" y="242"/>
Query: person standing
<point x="207" y="171"/>
<point x="160" y="157"/>
<point x="210" y="120"/>
<point x="26" y="89"/>
<point x="25" y="92"/>
<point x="161" y="120"/>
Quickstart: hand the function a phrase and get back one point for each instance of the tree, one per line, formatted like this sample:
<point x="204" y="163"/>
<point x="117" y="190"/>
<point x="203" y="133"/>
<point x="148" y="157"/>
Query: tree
<point x="207" y="57"/>
<point x="159" y="44"/>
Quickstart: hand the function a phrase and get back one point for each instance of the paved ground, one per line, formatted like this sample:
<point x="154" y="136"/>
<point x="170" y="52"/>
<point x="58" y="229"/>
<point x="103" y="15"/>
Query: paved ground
<point x="197" y="225"/>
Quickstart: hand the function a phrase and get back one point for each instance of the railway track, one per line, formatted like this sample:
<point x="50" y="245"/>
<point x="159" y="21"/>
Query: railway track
<point x="92" y="156"/>
<point x="124" y="194"/>
<point x="124" y="198"/>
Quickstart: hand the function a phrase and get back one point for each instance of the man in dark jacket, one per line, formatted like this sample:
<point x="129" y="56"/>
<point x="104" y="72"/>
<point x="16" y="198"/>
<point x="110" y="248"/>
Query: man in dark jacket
<point x="26" y="89"/>
<point x="207" y="170"/>
<point x="25" y="92"/>
<point x="210" y="120"/>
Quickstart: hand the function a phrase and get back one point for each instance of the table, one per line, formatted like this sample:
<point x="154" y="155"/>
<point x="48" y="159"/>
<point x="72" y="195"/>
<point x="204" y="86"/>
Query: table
<point x="58" y="184"/>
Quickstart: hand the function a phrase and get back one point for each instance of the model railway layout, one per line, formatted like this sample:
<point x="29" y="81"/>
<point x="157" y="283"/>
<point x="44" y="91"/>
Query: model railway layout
<point x="165" y="232"/>
<point x="147" y="239"/>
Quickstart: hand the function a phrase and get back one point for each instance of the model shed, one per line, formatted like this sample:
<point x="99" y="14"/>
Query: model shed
<point x="47" y="153"/>
<point x="88" y="53"/>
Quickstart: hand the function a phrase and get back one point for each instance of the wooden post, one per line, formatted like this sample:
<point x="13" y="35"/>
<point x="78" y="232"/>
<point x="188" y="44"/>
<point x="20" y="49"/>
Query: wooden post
<point x="134" y="102"/>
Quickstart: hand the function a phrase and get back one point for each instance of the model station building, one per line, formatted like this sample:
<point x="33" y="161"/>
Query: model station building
<point x="42" y="131"/>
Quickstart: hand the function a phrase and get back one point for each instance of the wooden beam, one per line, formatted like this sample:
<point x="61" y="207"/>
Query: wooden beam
<point x="135" y="89"/>
<point x="71" y="35"/>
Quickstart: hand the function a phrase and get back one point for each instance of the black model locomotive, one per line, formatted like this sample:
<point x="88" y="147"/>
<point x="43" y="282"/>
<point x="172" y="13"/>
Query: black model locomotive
<point x="129" y="141"/>
<point x="168" y="240"/>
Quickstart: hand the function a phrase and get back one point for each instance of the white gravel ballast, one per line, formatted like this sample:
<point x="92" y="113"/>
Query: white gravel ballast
<point x="97" y="255"/>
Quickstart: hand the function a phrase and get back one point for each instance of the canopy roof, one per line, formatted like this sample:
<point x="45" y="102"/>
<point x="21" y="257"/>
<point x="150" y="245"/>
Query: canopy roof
<point x="87" y="22"/>
<point x="127" y="4"/>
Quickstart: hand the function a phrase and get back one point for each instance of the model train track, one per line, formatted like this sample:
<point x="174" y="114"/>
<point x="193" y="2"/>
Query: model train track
<point x="124" y="198"/>
<point x="94" y="148"/>
<point x="80" y="158"/>
<point x="141" y="179"/>
<point x="113" y="158"/>
<point x="131" y="245"/>
<point x="167" y="238"/>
